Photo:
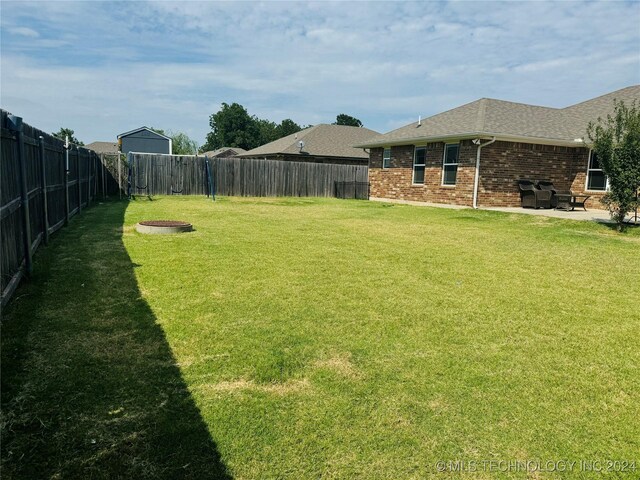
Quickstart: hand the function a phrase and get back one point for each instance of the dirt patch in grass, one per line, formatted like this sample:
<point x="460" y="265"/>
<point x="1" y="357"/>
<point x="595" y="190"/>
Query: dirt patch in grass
<point x="243" y="385"/>
<point x="342" y="365"/>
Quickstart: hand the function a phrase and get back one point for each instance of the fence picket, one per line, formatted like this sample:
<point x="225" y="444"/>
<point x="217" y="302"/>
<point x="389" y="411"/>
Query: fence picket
<point x="186" y="175"/>
<point x="34" y="197"/>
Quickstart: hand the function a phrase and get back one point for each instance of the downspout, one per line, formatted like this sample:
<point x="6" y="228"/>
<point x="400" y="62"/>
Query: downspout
<point x="476" y="180"/>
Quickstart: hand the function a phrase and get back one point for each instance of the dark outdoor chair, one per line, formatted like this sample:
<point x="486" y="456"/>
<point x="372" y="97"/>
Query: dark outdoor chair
<point x="547" y="185"/>
<point x="532" y="197"/>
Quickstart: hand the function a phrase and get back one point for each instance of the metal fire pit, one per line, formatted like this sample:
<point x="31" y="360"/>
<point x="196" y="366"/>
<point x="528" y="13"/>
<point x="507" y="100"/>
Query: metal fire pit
<point x="163" y="226"/>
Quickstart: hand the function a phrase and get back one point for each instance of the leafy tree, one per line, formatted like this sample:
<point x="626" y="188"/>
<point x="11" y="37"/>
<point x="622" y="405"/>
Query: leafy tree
<point x="267" y="131"/>
<point x="287" y="127"/>
<point x="232" y="126"/>
<point x="344" y="119"/>
<point x="616" y="142"/>
<point x="181" y="144"/>
<point x="158" y="130"/>
<point x="64" y="132"/>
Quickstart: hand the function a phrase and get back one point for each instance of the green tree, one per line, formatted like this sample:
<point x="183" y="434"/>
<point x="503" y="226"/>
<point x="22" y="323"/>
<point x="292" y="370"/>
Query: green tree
<point x="287" y="127"/>
<point x="181" y="144"/>
<point x="616" y="142"/>
<point x="232" y="126"/>
<point x="344" y="119"/>
<point x="268" y="131"/>
<point x="158" y="130"/>
<point x="64" y="132"/>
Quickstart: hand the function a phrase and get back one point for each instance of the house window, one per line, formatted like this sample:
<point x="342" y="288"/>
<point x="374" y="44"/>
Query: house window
<point x="596" y="179"/>
<point x="386" y="158"/>
<point x="419" y="160"/>
<point x="450" y="164"/>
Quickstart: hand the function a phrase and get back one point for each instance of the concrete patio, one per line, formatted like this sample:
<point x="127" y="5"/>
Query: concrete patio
<point x="600" y="216"/>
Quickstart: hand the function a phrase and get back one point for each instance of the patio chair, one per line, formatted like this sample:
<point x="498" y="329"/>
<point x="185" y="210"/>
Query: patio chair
<point x="531" y="197"/>
<point x="548" y="185"/>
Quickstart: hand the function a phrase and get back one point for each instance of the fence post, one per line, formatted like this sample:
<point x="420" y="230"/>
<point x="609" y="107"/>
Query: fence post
<point x="79" y="180"/>
<point x="89" y="158"/>
<point x="129" y="175"/>
<point x="43" y="185"/>
<point x="94" y="164"/>
<point x="104" y="189"/>
<point x="66" y="181"/>
<point x="15" y="125"/>
<point x="119" y="175"/>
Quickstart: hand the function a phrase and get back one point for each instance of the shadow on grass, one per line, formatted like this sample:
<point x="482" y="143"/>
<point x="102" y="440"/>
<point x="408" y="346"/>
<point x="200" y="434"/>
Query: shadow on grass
<point x="90" y="388"/>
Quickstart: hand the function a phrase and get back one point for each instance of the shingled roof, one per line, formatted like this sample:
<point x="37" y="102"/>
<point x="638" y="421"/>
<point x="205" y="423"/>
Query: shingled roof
<point x="320" y="140"/>
<point x="103" y="147"/>
<point x="488" y="117"/>
<point x="228" y="151"/>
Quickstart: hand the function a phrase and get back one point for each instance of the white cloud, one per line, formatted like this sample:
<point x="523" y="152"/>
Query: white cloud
<point x="25" y="32"/>
<point x="171" y="64"/>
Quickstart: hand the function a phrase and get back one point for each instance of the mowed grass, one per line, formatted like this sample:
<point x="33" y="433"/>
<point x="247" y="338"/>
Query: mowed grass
<point x="308" y="338"/>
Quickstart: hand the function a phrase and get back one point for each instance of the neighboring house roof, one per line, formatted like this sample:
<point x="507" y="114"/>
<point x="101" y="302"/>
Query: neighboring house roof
<point x="488" y="117"/>
<point x="103" y="147"/>
<point x="131" y="132"/>
<point x="224" y="150"/>
<point x="320" y="140"/>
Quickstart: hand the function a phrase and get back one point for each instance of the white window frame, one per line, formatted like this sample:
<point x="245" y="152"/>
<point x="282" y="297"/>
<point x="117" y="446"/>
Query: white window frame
<point x="589" y="170"/>
<point x="423" y="165"/>
<point x="444" y="160"/>
<point x="387" y="165"/>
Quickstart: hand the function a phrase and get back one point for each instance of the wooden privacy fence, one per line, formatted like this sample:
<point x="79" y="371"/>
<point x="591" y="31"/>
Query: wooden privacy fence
<point x="155" y="174"/>
<point x="39" y="193"/>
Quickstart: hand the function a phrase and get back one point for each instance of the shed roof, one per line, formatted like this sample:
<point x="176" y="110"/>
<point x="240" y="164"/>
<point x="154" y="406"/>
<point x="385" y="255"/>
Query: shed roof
<point x="320" y="140"/>
<point x="136" y="130"/>
<point x="490" y="117"/>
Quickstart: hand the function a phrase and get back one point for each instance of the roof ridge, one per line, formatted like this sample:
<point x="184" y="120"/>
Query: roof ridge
<point x="481" y="115"/>
<point x="451" y="109"/>
<point x="520" y="103"/>
<point x="600" y="96"/>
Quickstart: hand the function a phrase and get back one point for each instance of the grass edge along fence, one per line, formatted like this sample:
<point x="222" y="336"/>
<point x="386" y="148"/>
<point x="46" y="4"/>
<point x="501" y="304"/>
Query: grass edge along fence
<point x="45" y="183"/>
<point x="42" y="185"/>
<point x="162" y="174"/>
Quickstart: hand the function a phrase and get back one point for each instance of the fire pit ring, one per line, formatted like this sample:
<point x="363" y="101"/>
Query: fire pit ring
<point x="163" y="226"/>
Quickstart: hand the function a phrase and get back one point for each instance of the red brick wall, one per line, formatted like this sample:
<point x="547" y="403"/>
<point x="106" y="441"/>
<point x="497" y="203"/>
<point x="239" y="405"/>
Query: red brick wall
<point x="395" y="182"/>
<point x="501" y="165"/>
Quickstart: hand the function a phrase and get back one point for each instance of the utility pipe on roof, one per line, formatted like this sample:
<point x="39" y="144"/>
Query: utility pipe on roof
<point x="476" y="180"/>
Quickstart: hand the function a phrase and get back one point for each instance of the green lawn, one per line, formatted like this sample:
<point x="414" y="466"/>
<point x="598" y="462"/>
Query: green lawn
<point x="308" y="338"/>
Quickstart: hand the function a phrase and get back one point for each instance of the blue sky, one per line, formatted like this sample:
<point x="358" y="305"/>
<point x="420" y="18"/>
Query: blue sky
<point x="103" y="68"/>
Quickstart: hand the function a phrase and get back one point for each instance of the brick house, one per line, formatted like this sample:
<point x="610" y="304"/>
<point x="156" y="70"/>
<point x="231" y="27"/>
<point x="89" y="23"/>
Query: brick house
<point x="319" y="144"/>
<point x="473" y="155"/>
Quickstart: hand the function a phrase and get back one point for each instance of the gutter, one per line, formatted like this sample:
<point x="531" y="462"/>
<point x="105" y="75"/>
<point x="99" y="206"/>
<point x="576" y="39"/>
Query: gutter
<point x="468" y="136"/>
<point x="476" y="180"/>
